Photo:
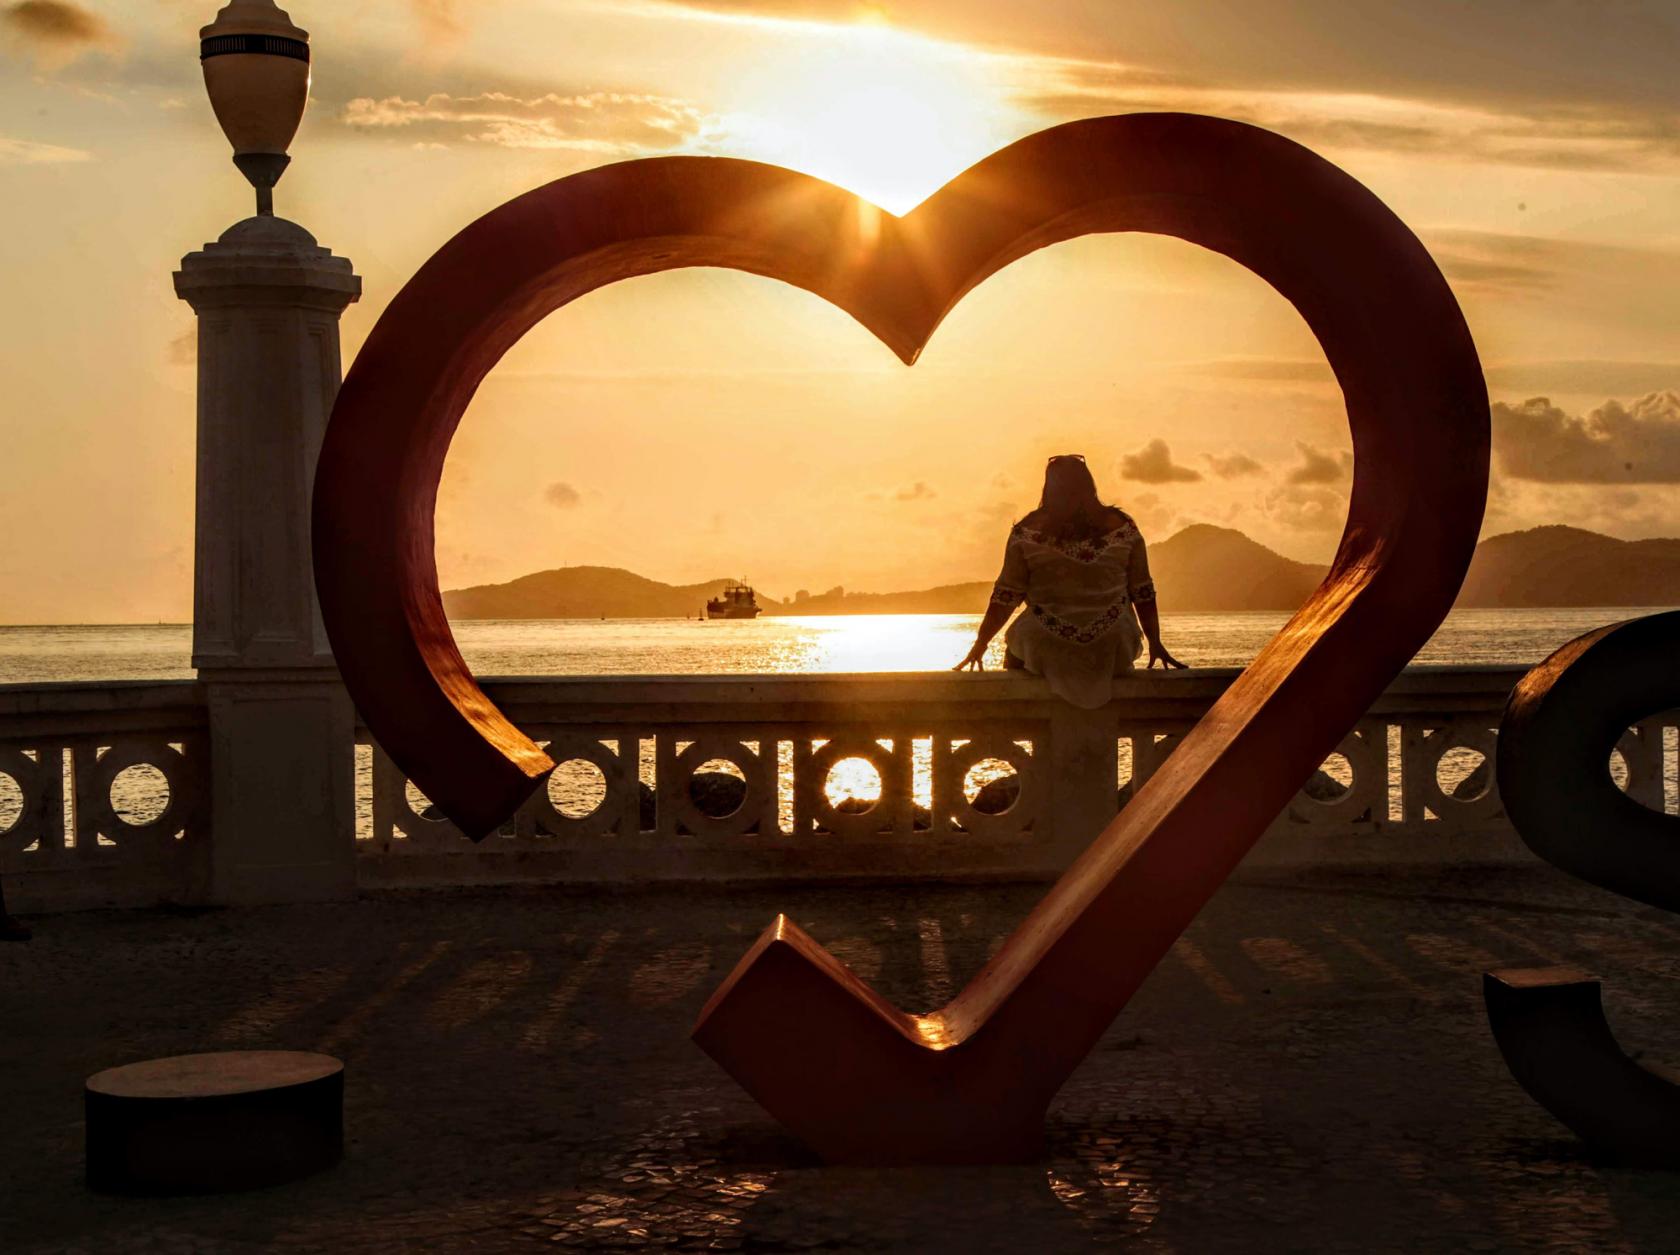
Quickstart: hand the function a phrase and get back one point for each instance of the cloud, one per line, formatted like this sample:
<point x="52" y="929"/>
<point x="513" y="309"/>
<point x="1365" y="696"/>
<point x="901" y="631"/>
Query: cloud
<point x="1490" y="264"/>
<point x="1538" y="133"/>
<point x="21" y="152"/>
<point x="918" y="491"/>
<point x="561" y="495"/>
<point x="55" y="33"/>
<point x="1506" y="264"/>
<point x="599" y="122"/>
<point x="1303" y="508"/>
<point x="1318" y="466"/>
<point x="440" y="20"/>
<point x="789" y="10"/>
<point x="1153" y="516"/>
<point x="1630" y="512"/>
<point x="1637" y="443"/>
<point x="1233" y="466"/>
<point x="1605" y="377"/>
<point x="1487" y="261"/>
<point x="1264" y="369"/>
<point x="53" y="22"/>
<point x="1153" y="464"/>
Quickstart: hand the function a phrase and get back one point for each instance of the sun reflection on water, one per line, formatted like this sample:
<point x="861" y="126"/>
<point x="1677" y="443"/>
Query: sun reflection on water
<point x="851" y="643"/>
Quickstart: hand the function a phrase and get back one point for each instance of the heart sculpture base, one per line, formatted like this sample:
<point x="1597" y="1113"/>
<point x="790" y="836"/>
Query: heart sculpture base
<point x="857" y="1079"/>
<point x="892" y="1094"/>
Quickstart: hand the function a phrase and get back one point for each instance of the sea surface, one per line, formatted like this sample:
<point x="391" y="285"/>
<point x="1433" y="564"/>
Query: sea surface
<point x="789" y="646"/>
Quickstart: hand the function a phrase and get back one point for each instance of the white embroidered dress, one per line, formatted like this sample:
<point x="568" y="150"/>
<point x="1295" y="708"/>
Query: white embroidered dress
<point x="1079" y="630"/>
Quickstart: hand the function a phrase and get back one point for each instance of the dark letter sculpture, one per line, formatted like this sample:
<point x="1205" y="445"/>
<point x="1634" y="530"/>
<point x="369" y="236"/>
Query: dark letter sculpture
<point x="1560" y="725"/>
<point x="854" y="1077"/>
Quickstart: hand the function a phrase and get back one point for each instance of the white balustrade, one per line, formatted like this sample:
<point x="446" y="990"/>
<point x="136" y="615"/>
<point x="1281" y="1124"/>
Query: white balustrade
<point x="634" y="800"/>
<point x="108" y="801"/>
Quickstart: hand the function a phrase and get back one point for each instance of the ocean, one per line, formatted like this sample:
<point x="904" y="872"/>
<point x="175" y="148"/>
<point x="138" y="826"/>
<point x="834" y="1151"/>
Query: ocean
<point x="919" y="642"/>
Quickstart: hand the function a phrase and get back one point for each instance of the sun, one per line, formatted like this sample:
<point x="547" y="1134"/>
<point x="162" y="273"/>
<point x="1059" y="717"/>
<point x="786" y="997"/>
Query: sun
<point x="890" y="115"/>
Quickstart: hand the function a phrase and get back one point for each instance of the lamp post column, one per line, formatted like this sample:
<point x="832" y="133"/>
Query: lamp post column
<point x="282" y="731"/>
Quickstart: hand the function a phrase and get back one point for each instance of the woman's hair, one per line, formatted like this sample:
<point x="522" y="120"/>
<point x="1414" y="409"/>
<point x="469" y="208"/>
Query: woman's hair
<point x="1069" y="508"/>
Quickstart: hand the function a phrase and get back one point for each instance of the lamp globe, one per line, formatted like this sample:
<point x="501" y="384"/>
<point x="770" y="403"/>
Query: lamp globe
<point x="256" y="71"/>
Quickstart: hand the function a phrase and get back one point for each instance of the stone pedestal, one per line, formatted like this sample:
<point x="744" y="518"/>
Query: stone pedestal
<point x="268" y="299"/>
<point x="194" y="1124"/>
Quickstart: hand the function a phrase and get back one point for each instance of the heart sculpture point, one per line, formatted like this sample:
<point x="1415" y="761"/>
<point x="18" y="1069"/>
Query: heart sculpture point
<point x="854" y="1077"/>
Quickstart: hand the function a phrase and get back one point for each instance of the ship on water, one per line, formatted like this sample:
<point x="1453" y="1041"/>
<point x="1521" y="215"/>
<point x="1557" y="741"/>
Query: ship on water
<point x="737" y="602"/>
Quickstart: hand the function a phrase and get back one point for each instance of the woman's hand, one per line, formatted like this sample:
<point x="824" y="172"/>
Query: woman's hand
<point x="1158" y="654"/>
<point x="976" y="659"/>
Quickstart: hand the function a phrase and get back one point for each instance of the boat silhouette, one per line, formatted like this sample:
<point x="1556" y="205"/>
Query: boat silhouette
<point x="737" y="602"/>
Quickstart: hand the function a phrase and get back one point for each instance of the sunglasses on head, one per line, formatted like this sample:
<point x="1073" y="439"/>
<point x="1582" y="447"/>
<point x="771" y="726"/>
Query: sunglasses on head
<point x="1068" y="457"/>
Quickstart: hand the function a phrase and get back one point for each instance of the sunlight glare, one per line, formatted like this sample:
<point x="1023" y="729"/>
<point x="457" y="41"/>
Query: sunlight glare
<point x="890" y="115"/>
<point x="880" y="642"/>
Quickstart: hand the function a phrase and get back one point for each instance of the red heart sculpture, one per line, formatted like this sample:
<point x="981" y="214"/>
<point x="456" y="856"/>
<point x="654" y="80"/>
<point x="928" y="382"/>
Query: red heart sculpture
<point x="847" y="1072"/>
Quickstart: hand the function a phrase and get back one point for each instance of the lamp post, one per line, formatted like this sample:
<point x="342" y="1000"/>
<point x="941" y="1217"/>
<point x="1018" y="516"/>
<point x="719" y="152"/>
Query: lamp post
<point x="268" y="300"/>
<point x="256" y="71"/>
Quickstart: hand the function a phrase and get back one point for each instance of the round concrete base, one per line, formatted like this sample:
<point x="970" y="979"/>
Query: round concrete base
<point x="204" y="1123"/>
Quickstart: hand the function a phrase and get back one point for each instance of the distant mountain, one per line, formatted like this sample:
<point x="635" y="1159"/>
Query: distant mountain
<point x="586" y="592"/>
<point x="1568" y="566"/>
<point x="1205" y="568"/>
<point x="1201" y="568"/>
<point x="946" y="599"/>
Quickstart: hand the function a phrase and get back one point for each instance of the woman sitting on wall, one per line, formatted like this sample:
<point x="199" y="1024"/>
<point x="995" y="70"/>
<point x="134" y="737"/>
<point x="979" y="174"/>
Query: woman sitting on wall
<point x="1083" y="571"/>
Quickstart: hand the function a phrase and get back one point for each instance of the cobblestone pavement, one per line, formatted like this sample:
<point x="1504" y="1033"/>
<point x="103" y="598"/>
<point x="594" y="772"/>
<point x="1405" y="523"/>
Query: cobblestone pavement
<point x="1309" y="1070"/>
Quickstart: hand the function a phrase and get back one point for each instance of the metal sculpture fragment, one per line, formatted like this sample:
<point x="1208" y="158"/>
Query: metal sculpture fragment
<point x="1551" y="1029"/>
<point x="1560" y="725"/>
<point x="854" y="1077"/>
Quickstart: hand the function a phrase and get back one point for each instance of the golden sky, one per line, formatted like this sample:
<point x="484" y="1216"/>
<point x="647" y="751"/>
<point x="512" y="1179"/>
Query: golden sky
<point x="705" y="423"/>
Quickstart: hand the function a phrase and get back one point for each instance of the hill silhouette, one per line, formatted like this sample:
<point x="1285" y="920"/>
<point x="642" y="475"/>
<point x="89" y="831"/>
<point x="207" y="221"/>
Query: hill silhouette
<point x="1201" y="568"/>
<point x="586" y="592"/>
<point x="969" y="598"/>
<point x="1569" y="566"/>
<point x="1206" y="568"/>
